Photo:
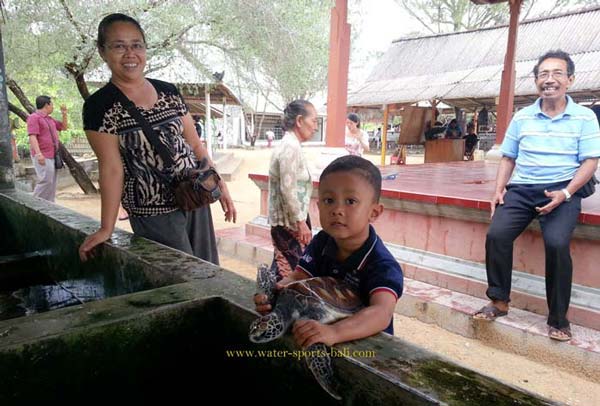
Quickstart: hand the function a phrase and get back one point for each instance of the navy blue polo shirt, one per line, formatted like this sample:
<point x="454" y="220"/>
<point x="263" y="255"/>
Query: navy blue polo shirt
<point x="370" y="269"/>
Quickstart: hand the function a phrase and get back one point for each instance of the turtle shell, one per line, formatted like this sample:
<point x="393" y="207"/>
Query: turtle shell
<point x="330" y="291"/>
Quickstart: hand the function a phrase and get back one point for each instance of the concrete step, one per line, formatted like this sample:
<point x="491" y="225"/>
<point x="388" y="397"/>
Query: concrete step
<point x="459" y="275"/>
<point x="227" y="164"/>
<point x="521" y="332"/>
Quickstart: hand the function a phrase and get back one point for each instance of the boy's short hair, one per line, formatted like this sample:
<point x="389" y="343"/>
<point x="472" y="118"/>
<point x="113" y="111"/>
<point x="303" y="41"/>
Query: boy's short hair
<point x="354" y="163"/>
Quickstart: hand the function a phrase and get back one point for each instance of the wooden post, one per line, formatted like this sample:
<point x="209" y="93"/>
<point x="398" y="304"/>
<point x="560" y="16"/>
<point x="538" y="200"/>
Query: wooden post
<point x="224" y="124"/>
<point x="337" y="82"/>
<point x="386" y="109"/>
<point x="208" y="123"/>
<point x="507" y="85"/>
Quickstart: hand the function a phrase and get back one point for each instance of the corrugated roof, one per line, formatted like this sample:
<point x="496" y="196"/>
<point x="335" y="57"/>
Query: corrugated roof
<point x="464" y="69"/>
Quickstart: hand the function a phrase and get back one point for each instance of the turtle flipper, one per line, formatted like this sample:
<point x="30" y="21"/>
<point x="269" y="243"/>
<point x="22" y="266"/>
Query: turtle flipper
<point x="319" y="363"/>
<point x="266" y="279"/>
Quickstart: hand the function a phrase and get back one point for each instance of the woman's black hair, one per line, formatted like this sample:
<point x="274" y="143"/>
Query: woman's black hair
<point x="110" y="20"/>
<point x="354" y="118"/>
<point x="294" y="109"/>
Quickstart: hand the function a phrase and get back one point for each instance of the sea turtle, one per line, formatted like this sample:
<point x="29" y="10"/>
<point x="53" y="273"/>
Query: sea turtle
<point x="324" y="299"/>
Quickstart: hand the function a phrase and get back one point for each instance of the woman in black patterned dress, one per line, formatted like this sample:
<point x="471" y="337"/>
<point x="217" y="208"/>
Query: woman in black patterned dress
<point x="129" y="166"/>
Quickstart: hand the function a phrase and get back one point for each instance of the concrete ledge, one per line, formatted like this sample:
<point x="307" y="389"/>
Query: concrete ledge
<point x="177" y="326"/>
<point x="521" y="332"/>
<point x="456" y="274"/>
<point x="227" y="164"/>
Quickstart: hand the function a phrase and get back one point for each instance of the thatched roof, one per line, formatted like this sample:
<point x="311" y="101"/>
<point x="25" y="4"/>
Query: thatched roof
<point x="464" y="69"/>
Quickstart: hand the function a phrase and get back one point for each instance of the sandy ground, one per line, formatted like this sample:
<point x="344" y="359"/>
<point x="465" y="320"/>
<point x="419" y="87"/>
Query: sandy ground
<point x="513" y="369"/>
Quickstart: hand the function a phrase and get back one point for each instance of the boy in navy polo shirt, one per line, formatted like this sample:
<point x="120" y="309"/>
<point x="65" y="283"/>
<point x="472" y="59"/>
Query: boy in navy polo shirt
<point x="348" y="248"/>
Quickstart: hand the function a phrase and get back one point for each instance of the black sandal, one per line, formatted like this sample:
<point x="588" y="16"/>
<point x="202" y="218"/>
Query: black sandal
<point x="489" y="313"/>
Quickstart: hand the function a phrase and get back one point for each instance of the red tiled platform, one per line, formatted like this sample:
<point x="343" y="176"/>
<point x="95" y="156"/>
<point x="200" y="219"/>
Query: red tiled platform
<point x="465" y="184"/>
<point x="443" y="208"/>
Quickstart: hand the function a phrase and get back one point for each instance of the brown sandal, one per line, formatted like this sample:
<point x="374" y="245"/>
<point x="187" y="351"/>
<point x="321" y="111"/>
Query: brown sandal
<point x="489" y="313"/>
<point x="560" y="334"/>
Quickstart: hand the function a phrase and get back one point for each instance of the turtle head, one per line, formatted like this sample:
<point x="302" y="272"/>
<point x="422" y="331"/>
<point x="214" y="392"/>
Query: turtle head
<point x="266" y="328"/>
<point x="266" y="279"/>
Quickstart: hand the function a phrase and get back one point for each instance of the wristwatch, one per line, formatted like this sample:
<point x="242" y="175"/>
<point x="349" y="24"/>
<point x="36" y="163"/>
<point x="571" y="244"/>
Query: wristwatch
<point x="567" y="194"/>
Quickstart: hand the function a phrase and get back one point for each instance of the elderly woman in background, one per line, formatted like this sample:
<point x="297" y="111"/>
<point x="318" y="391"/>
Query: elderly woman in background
<point x="131" y="170"/>
<point x="357" y="140"/>
<point x="290" y="188"/>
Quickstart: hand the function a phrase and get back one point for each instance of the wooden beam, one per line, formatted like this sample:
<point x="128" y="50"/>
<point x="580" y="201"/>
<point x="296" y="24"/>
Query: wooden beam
<point x="337" y="82"/>
<point x="507" y="85"/>
<point x="384" y="133"/>
<point x="207" y="121"/>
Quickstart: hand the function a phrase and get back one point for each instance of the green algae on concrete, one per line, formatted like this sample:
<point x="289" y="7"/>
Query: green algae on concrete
<point x="173" y="354"/>
<point x="177" y="338"/>
<point x="123" y="265"/>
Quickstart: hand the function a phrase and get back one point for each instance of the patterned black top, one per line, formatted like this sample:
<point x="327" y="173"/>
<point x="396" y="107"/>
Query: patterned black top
<point x="144" y="192"/>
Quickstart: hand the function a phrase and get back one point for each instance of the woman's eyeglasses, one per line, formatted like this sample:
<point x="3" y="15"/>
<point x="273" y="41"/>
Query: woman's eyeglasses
<point x="121" y="48"/>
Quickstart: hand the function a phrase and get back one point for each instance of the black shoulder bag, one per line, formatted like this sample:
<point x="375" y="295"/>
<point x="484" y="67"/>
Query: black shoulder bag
<point x="59" y="162"/>
<point x="194" y="187"/>
<point x="589" y="188"/>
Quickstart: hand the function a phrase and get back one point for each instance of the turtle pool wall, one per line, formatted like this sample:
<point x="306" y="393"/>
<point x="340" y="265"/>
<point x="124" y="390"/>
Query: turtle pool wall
<point x="186" y="338"/>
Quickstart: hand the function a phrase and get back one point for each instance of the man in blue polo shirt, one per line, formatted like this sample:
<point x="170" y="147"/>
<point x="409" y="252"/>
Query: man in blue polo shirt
<point x="551" y="149"/>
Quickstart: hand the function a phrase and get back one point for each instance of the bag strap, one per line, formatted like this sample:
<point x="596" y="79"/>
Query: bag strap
<point x="151" y="135"/>
<point x="55" y="140"/>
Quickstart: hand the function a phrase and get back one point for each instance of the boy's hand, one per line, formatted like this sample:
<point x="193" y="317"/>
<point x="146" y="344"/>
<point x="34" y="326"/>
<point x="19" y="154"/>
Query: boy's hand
<point x="309" y="332"/>
<point x="261" y="303"/>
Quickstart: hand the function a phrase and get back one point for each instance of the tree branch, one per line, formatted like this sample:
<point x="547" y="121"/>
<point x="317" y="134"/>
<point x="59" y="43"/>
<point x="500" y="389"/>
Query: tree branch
<point x="416" y="16"/>
<point x="212" y="44"/>
<point x="75" y="71"/>
<point x="71" y="18"/>
<point x="20" y="95"/>
<point x="21" y="113"/>
<point x="175" y="37"/>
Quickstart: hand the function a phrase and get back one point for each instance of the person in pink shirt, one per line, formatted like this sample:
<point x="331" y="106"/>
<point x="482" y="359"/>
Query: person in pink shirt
<point x="43" y="141"/>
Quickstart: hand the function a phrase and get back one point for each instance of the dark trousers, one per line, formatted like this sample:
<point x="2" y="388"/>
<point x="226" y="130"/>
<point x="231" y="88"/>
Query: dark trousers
<point x="191" y="232"/>
<point x="508" y="223"/>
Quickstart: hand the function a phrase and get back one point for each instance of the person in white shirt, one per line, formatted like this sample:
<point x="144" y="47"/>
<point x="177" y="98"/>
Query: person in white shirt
<point x="357" y="140"/>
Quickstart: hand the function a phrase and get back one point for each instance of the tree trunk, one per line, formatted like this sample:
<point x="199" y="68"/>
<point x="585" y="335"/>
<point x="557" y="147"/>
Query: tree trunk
<point x="18" y="92"/>
<point x="77" y="171"/>
<point x="79" y="80"/>
<point x="14" y="109"/>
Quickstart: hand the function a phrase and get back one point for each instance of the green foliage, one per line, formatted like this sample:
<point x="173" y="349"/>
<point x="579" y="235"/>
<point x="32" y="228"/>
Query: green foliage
<point x="281" y="44"/>
<point x="22" y="138"/>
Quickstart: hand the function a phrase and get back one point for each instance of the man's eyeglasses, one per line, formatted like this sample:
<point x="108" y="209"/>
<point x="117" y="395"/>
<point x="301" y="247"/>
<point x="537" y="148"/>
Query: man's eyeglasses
<point x="556" y="74"/>
<point x="120" y="48"/>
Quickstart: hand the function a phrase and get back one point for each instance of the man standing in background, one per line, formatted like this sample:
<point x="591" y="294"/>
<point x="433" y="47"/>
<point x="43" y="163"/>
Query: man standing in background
<point x="43" y="141"/>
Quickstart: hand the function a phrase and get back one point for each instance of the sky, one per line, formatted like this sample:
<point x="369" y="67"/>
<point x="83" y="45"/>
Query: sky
<point x="377" y="27"/>
<point x="378" y="23"/>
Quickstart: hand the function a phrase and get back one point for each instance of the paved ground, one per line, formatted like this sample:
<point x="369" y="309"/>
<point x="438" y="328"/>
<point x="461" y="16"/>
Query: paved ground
<point x="516" y="370"/>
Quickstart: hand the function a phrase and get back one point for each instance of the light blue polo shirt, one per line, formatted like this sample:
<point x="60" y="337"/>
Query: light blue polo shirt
<point x="550" y="150"/>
